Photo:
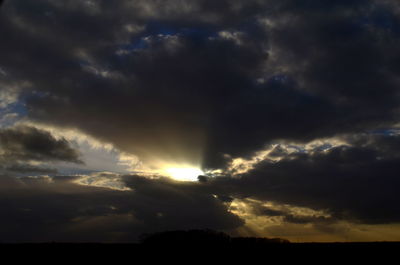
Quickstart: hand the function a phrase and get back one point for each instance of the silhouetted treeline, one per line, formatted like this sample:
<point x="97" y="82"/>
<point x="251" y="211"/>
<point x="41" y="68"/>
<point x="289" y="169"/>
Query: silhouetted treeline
<point x="206" y="238"/>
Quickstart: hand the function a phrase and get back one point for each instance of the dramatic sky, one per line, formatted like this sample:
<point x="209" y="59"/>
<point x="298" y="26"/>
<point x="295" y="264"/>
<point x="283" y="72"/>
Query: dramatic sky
<point x="110" y="110"/>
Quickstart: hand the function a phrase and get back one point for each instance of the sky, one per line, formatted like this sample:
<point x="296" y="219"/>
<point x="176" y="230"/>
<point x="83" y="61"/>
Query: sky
<point x="260" y="118"/>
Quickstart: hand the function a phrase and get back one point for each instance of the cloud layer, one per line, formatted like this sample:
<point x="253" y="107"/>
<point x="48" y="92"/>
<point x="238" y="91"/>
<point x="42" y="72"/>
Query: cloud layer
<point x="293" y="104"/>
<point x="182" y="79"/>
<point x="57" y="209"/>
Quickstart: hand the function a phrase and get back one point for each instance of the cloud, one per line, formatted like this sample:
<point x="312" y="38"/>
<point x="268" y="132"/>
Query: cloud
<point x="186" y="85"/>
<point x="29" y="143"/>
<point x="60" y="210"/>
<point x="290" y="103"/>
<point x="23" y="149"/>
<point x="97" y="155"/>
<point x="318" y="195"/>
<point x="355" y="182"/>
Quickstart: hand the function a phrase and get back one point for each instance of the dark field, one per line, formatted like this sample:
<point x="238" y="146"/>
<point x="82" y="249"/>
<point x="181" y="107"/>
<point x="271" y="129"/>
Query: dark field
<point x="202" y="245"/>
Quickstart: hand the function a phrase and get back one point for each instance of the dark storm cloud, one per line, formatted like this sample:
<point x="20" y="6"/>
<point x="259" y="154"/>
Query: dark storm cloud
<point x="185" y="75"/>
<point x="27" y="150"/>
<point x="25" y="143"/>
<point x="58" y="210"/>
<point x="358" y="182"/>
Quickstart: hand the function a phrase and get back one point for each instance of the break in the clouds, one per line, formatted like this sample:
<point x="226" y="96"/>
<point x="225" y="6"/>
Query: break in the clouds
<point x="291" y="109"/>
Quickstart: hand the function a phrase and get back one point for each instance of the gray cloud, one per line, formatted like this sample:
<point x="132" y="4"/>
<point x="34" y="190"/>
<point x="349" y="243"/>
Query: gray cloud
<point x="22" y="145"/>
<point x="356" y="182"/>
<point x="57" y="209"/>
<point x="176" y="80"/>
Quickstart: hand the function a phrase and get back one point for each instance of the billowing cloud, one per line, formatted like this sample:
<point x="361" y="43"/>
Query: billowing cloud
<point x="60" y="210"/>
<point x="184" y="81"/>
<point x="354" y="182"/>
<point x="23" y="148"/>
<point x="28" y="143"/>
<point x="291" y="108"/>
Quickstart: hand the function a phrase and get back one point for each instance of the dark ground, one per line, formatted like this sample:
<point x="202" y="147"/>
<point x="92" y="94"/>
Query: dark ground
<point x="319" y="253"/>
<point x="203" y="246"/>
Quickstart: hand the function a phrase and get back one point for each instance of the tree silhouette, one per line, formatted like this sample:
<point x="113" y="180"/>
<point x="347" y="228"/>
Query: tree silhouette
<point x="196" y="238"/>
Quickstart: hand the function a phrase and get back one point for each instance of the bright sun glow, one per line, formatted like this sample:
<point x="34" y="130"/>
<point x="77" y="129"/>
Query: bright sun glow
<point x="184" y="173"/>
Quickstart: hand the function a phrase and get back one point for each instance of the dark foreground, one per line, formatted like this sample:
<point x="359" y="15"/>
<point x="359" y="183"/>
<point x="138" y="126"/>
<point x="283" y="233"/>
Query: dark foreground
<point x="204" y="246"/>
<point x="315" y="253"/>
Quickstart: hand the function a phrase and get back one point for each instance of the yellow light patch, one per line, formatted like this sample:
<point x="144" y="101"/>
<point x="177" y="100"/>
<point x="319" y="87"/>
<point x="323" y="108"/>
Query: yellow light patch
<point x="184" y="173"/>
